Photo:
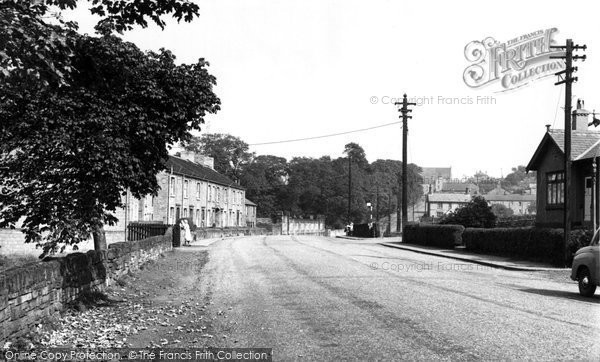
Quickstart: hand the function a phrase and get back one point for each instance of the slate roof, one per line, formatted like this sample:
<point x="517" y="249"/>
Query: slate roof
<point x="192" y="169"/>
<point x="454" y="198"/>
<point x="510" y="197"/>
<point x="584" y="145"/>
<point x="248" y="202"/>
<point x="459" y="186"/>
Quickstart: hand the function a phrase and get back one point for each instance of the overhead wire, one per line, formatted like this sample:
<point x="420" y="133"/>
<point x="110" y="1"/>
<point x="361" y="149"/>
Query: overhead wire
<point x="324" y="136"/>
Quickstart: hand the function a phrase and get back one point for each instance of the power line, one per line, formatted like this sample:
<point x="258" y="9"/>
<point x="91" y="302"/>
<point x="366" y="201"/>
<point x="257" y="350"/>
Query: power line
<point x="325" y="136"/>
<point x="557" y="106"/>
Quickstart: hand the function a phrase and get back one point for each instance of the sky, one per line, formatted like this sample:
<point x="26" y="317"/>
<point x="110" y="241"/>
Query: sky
<point x="299" y="69"/>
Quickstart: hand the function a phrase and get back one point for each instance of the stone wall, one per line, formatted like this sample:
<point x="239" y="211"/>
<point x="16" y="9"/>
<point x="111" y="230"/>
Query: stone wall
<point x="209" y="233"/>
<point x="31" y="292"/>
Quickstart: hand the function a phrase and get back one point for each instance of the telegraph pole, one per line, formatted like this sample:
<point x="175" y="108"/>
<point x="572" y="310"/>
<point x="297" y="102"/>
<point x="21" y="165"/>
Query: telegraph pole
<point x="349" y="185"/>
<point x="567" y="80"/>
<point x="404" y="111"/>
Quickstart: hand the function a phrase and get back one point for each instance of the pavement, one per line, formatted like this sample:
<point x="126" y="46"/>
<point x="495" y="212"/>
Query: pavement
<point x="462" y="254"/>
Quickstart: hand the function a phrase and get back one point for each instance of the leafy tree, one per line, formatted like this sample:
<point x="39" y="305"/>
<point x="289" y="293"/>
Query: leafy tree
<point x="476" y="214"/>
<point x="502" y="211"/>
<point x="37" y="45"/>
<point x="230" y="153"/>
<point x="68" y="152"/>
<point x="265" y="178"/>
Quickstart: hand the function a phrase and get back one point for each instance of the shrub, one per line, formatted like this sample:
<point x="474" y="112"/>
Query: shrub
<point x="516" y="221"/>
<point x="529" y="243"/>
<point x="501" y="211"/>
<point x="364" y="231"/>
<point x="444" y="236"/>
<point x="476" y="214"/>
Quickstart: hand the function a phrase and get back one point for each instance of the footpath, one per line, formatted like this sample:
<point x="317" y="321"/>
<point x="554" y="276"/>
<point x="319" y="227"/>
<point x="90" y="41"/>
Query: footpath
<point x="460" y="253"/>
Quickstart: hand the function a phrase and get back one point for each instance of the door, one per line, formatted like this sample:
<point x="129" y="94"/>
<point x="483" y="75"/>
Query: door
<point x="587" y="205"/>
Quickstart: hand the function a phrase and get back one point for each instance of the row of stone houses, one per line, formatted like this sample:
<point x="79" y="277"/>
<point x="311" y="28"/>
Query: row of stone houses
<point x="189" y="187"/>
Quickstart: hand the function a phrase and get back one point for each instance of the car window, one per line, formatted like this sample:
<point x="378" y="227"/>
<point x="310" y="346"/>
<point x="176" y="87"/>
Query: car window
<point x="595" y="238"/>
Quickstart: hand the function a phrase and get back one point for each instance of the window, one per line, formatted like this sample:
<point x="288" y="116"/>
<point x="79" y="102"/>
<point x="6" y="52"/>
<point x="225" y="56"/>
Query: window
<point x="172" y="215"/>
<point x="209" y="193"/>
<point x="185" y="212"/>
<point x="172" y="186"/>
<point x="198" y="190"/>
<point x="555" y="182"/>
<point x="218" y="194"/>
<point x="185" y="189"/>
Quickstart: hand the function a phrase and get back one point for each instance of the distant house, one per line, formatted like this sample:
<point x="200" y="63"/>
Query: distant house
<point x="250" y="213"/>
<point x="519" y="204"/>
<point x="434" y="177"/>
<point x="460" y="187"/>
<point x="438" y="205"/>
<point x="548" y="161"/>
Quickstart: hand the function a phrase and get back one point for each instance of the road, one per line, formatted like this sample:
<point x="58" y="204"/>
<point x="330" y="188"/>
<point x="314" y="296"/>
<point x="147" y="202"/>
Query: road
<point x="317" y="298"/>
<point x="323" y="298"/>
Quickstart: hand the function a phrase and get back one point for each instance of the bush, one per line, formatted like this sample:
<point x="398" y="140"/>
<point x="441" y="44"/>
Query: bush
<point x="529" y="243"/>
<point x="516" y="221"/>
<point x="475" y="214"/>
<point x="502" y="211"/>
<point x="443" y="236"/>
<point x="364" y="231"/>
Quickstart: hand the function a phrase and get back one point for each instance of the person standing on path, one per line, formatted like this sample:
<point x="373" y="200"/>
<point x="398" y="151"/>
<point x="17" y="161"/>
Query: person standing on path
<point x="187" y="234"/>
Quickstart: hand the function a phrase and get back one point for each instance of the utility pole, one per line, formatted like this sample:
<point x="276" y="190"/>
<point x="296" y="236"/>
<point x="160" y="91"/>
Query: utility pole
<point x="377" y="205"/>
<point x="404" y="110"/>
<point x="349" y="185"/>
<point x="567" y="81"/>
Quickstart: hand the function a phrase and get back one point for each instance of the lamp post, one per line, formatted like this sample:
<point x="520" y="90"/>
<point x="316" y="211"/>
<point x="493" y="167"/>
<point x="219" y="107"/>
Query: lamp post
<point x="370" y="217"/>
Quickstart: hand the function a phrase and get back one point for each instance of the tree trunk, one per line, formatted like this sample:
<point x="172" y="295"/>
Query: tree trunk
<point x="99" y="239"/>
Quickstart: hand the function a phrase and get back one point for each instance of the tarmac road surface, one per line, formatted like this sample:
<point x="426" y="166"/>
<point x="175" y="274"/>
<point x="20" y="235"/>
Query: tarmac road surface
<point x="335" y="299"/>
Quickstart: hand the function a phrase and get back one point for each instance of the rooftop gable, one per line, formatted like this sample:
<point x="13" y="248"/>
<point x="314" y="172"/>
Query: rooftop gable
<point x="584" y="144"/>
<point x="191" y="169"/>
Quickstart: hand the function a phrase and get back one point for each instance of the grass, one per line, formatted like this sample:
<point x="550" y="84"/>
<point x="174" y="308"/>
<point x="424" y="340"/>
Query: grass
<point x="16" y="260"/>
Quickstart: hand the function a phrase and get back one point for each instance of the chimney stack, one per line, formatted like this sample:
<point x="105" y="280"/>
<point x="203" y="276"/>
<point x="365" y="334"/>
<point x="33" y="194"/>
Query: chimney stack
<point x="547" y="128"/>
<point x="580" y="117"/>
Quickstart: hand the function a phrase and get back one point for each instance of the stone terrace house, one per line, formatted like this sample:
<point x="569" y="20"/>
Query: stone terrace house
<point x="192" y="188"/>
<point x="250" y="213"/>
<point x="438" y="205"/>
<point x="548" y="161"/>
<point x="518" y="203"/>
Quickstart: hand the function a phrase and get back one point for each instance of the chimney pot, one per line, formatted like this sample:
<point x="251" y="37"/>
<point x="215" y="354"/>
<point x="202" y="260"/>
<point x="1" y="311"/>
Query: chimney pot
<point x="547" y="128"/>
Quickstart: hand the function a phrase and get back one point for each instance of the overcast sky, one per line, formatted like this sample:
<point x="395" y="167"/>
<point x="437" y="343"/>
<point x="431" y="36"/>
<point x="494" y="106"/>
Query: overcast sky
<point x="294" y="69"/>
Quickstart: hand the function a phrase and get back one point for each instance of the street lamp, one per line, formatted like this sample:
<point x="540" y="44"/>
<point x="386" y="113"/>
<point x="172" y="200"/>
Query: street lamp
<point x="370" y="218"/>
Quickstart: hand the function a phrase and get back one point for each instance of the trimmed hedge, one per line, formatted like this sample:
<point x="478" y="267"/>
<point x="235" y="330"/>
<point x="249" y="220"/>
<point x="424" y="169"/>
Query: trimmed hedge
<point x="530" y="243"/>
<point x="516" y="221"/>
<point x="443" y="236"/>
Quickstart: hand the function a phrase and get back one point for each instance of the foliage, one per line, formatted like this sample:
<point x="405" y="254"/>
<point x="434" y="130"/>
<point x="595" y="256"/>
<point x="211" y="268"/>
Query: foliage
<point x="264" y="179"/>
<point x="443" y="236"/>
<point x="476" y="214"/>
<point x="526" y="243"/>
<point x="230" y="153"/>
<point x="36" y="44"/>
<point x="69" y="151"/>
<point x="516" y="221"/>
<point x="502" y="211"/>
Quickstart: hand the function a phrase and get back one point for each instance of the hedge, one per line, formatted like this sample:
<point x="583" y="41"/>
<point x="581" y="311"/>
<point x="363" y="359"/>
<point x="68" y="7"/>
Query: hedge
<point x="545" y="245"/>
<point x="443" y="236"/>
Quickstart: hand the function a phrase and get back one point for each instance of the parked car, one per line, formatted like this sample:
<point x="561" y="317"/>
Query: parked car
<point x="586" y="267"/>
